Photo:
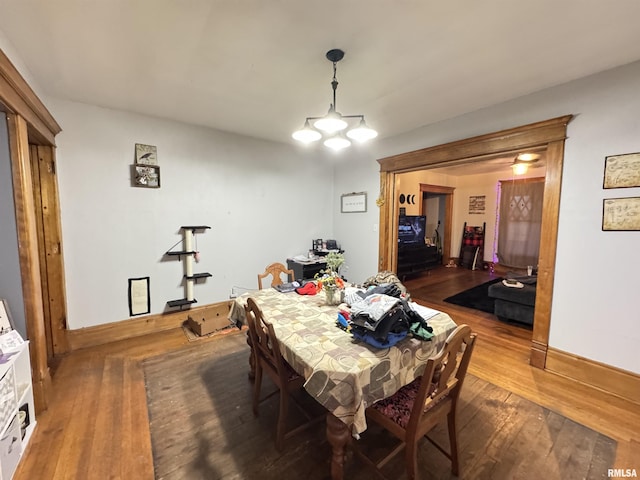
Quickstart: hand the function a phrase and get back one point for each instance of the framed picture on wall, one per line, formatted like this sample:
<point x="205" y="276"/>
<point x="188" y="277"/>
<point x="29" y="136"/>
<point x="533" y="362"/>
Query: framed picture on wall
<point x="353" y="202"/>
<point x="139" y="298"/>
<point x="146" y="154"/>
<point x="147" y="176"/>
<point x="477" y="204"/>
<point x="622" y="171"/>
<point x="621" y="214"/>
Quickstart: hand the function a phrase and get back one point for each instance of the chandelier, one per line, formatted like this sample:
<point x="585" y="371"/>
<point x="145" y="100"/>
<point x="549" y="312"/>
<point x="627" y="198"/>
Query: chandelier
<point x="333" y="125"/>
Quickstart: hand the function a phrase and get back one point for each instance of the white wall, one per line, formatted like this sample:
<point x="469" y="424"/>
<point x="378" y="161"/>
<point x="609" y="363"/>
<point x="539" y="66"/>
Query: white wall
<point x="357" y="232"/>
<point x="264" y="202"/>
<point x="595" y="307"/>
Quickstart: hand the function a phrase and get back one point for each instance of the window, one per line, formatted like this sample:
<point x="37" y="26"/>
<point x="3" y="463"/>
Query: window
<point x="519" y="222"/>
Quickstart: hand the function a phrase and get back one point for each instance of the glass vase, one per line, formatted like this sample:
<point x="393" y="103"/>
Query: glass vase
<point x="333" y="295"/>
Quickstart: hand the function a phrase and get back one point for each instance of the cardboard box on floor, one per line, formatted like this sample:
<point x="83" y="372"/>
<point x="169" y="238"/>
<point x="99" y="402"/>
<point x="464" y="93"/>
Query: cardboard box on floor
<point x="209" y="319"/>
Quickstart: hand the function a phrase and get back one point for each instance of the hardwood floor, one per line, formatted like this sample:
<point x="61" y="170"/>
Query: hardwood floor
<point x="501" y="356"/>
<point x="97" y="425"/>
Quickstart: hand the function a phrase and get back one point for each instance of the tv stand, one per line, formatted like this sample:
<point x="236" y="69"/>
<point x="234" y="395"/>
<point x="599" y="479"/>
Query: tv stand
<point x="414" y="259"/>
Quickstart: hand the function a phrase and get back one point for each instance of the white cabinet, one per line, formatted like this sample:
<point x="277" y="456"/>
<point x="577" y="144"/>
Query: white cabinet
<point x="17" y="413"/>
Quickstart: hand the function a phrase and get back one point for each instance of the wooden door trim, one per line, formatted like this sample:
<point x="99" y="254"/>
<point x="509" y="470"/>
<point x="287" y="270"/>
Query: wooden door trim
<point x="448" y="213"/>
<point x="47" y="206"/>
<point x="28" y="257"/>
<point x="29" y="122"/>
<point x="549" y="136"/>
<point x="17" y="97"/>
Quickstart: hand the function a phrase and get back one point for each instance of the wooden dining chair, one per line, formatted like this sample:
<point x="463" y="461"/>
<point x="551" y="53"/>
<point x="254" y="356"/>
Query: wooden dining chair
<point x="417" y="408"/>
<point x="275" y="270"/>
<point x="269" y="360"/>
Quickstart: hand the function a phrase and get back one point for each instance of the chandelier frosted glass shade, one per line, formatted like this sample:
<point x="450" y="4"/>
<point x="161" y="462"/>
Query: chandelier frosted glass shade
<point x="337" y="143"/>
<point x="362" y="133"/>
<point x="333" y="124"/>
<point x="307" y="134"/>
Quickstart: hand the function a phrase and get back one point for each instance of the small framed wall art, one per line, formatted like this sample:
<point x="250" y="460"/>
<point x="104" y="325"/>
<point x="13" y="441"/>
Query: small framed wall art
<point x="139" y="298"/>
<point x="477" y="204"/>
<point x="622" y="171"/>
<point x="146" y="154"/>
<point x="353" y="202"/>
<point x="146" y="176"/>
<point x="621" y="214"/>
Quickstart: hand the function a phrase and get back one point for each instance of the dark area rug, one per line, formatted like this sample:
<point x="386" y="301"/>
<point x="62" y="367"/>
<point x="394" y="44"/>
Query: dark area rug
<point x="476" y="297"/>
<point x="202" y="427"/>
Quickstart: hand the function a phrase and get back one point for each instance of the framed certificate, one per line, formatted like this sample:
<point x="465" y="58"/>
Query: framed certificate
<point x="353" y="202"/>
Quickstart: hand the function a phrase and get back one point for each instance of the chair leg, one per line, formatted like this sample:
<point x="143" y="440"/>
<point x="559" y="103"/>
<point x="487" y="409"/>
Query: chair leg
<point x="411" y="459"/>
<point x="257" y="385"/>
<point x="282" y="419"/>
<point x="453" y="442"/>
<point x="252" y="359"/>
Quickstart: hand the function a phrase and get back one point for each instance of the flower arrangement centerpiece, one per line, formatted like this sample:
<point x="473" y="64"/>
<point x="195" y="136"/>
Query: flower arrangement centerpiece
<point x="329" y="279"/>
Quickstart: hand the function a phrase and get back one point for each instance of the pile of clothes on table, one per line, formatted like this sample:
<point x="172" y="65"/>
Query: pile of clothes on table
<point x="381" y="313"/>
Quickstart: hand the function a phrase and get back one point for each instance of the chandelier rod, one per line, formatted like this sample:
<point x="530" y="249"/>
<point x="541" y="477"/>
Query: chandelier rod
<point x="334" y="85"/>
<point x="334" y="56"/>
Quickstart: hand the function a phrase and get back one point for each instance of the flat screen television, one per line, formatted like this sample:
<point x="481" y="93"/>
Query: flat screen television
<point x="411" y="229"/>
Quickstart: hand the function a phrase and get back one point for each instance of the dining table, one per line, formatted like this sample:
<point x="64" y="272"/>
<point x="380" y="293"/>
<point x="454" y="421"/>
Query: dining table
<point x="341" y="373"/>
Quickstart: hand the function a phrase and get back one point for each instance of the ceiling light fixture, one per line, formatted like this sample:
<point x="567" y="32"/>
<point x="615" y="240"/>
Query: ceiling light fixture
<point x="519" y="168"/>
<point x="332" y="125"/>
<point x="528" y="157"/>
<point x="522" y="161"/>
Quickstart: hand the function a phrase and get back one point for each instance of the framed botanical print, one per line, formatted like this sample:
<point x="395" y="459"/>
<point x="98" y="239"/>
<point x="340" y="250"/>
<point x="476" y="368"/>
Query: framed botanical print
<point x="146" y="154"/>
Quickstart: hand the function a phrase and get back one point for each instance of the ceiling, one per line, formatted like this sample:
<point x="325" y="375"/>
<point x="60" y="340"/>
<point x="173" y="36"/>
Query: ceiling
<point x="258" y="68"/>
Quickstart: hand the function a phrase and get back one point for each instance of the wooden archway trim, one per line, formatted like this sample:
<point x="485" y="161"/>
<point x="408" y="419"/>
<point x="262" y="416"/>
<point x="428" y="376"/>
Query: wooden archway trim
<point x="548" y="136"/>
<point x="29" y="122"/>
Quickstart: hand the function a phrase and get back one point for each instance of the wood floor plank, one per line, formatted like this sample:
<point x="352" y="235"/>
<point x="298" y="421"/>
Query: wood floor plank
<point x="107" y="432"/>
<point x="135" y="451"/>
<point x="79" y="428"/>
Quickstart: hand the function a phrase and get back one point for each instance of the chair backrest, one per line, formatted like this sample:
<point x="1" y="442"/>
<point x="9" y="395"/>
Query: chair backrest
<point x="443" y="375"/>
<point x="263" y="339"/>
<point x="275" y="270"/>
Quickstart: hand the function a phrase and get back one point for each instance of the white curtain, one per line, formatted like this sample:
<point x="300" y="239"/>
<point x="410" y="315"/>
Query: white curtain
<point x="519" y="222"/>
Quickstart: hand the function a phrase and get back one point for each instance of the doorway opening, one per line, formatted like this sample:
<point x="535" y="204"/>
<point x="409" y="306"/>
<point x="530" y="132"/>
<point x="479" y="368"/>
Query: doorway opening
<point x="547" y="137"/>
<point x="437" y="205"/>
